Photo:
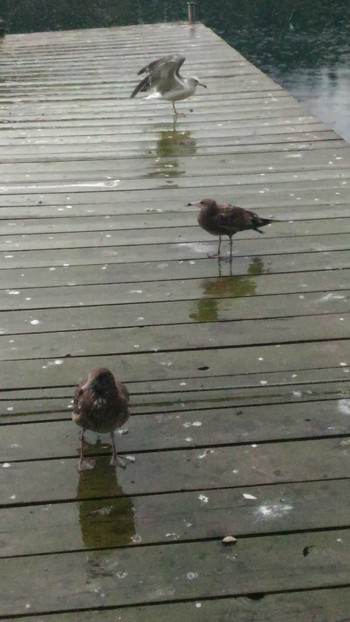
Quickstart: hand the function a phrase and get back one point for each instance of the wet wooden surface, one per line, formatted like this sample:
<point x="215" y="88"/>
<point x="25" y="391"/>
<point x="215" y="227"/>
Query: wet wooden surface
<point x="239" y="374"/>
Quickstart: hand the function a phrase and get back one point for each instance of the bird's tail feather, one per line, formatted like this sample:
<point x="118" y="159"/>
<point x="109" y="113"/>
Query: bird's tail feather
<point x="260" y="222"/>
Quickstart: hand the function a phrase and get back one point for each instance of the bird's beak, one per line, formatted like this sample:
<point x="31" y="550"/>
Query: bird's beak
<point x="194" y="204"/>
<point x="201" y="84"/>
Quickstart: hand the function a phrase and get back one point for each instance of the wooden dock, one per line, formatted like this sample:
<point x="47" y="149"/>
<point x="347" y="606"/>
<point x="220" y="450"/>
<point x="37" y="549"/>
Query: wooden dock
<point x="239" y="377"/>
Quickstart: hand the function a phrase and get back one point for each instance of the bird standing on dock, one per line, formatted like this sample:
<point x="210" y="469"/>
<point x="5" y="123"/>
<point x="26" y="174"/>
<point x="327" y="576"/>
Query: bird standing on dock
<point x="163" y="76"/>
<point x="100" y="404"/>
<point x="226" y="220"/>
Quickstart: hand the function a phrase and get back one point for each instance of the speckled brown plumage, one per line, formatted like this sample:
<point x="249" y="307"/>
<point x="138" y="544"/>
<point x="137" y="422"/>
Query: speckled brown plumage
<point x="227" y="220"/>
<point x="100" y="404"/>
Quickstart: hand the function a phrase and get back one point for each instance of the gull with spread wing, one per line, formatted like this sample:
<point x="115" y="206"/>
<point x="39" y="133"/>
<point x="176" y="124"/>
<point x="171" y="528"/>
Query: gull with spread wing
<point x="163" y="77"/>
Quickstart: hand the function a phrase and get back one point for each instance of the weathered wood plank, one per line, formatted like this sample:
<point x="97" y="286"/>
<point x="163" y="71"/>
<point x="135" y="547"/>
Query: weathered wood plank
<point x="186" y="234"/>
<point x="319" y="605"/>
<point x="206" y="268"/>
<point x="176" y="312"/>
<point x="97" y="118"/>
<point x="151" y="183"/>
<point x="38" y="409"/>
<point x="278" y="194"/>
<point x="170" y="251"/>
<point x="47" y="136"/>
<point x="180" y="571"/>
<point x="167" y="396"/>
<point x="107" y="521"/>
<point x="155" y="209"/>
<point x="194" y="469"/>
<point x="199" y="290"/>
<point x="325" y="141"/>
<point x="176" y="166"/>
<point x="155" y="366"/>
<point x="194" y="335"/>
<point x="179" y="430"/>
<point x="335" y="192"/>
<point x="151" y="142"/>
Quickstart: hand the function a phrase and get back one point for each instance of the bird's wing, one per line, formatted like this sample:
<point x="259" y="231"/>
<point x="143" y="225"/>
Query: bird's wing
<point x="122" y="390"/>
<point x="164" y="63"/>
<point x="231" y="219"/>
<point x="160" y="74"/>
<point x="77" y="399"/>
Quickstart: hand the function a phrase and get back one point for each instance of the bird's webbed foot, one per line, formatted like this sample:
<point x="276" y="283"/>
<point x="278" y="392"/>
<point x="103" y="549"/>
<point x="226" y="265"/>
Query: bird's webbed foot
<point x="86" y="464"/>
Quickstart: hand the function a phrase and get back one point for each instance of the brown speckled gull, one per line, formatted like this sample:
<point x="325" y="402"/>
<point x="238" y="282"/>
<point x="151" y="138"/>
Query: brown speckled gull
<point x="100" y="404"/>
<point x="227" y="220"/>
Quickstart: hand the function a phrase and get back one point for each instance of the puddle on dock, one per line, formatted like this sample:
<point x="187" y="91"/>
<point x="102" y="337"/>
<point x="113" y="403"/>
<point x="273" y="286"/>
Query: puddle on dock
<point x="170" y="146"/>
<point x="107" y="521"/>
<point x="207" y="309"/>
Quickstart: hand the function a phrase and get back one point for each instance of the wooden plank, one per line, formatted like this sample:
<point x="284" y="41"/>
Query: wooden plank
<point x="301" y="142"/>
<point x="104" y="115"/>
<point x="180" y="571"/>
<point x="178" y="430"/>
<point x="155" y="366"/>
<point x="169" y="396"/>
<point x="279" y="134"/>
<point x="182" y="166"/>
<point x="20" y="409"/>
<point x="279" y="194"/>
<point x="82" y="134"/>
<point x="196" y="469"/>
<point x="180" y="251"/>
<point x="185" y="234"/>
<point x="194" y="335"/>
<point x="287" y="194"/>
<point x="157" y="209"/>
<point x="175" y="517"/>
<point x="89" y="274"/>
<point x="75" y="295"/>
<point x="176" y="222"/>
<point x="176" y="312"/>
<point x="319" y="605"/>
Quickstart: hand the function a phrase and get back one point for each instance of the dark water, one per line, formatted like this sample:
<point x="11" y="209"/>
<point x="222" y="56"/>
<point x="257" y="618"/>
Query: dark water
<point x="303" y="44"/>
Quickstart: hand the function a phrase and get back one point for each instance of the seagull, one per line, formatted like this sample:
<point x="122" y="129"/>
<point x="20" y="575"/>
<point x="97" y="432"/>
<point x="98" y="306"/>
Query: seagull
<point x="163" y="76"/>
<point x="100" y="404"/>
<point x="226" y="220"/>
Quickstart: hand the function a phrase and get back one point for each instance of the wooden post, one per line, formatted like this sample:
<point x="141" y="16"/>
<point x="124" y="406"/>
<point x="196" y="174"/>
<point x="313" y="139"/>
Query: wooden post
<point x="191" y="12"/>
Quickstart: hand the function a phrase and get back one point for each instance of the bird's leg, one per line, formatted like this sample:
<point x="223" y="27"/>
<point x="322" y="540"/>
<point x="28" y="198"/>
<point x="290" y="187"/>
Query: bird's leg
<point x="116" y="460"/>
<point x="219" y="267"/>
<point x="176" y="113"/>
<point x="230" y="248"/>
<point x="230" y="255"/>
<point x="84" y="464"/>
<point x="217" y="254"/>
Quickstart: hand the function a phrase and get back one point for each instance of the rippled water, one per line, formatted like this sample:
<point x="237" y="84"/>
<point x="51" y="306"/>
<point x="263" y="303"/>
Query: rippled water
<point x="304" y="45"/>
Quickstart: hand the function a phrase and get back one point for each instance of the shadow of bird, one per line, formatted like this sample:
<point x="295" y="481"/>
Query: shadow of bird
<point x="227" y="220"/>
<point x="100" y="404"/>
<point x="163" y="77"/>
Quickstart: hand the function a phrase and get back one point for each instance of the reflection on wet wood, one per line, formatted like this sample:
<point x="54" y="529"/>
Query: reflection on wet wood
<point x="181" y="571"/>
<point x="218" y="467"/>
<point x="238" y="373"/>
<point x="117" y="520"/>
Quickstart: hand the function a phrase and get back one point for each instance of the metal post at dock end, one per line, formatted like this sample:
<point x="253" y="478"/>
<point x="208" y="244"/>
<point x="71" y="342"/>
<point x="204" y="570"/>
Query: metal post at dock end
<point x="2" y="28"/>
<point x="191" y="12"/>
